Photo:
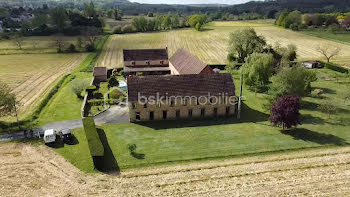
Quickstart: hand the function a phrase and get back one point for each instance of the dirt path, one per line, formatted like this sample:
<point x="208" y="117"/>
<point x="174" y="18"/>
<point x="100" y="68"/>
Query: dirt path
<point x="38" y="171"/>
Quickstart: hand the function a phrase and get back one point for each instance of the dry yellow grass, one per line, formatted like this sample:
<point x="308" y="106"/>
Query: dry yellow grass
<point x="38" y="171"/>
<point x="29" y="75"/>
<point x="211" y="44"/>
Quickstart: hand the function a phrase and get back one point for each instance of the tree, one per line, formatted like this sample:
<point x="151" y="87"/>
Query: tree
<point x="244" y="42"/>
<point x="285" y="112"/>
<point x="89" y="10"/>
<point x="197" y="19"/>
<point x="150" y="14"/>
<point x="79" y="85"/>
<point x="91" y="35"/>
<point x="18" y="40"/>
<point x="257" y="70"/>
<point x="281" y="19"/>
<point x="113" y="82"/>
<point x="118" y="14"/>
<point x="328" y="52"/>
<point x="39" y="20"/>
<point x="140" y="24"/>
<point x="59" y="17"/>
<point x="110" y="13"/>
<point x="328" y="107"/>
<point x="294" y="80"/>
<point x="59" y="43"/>
<point x="7" y="100"/>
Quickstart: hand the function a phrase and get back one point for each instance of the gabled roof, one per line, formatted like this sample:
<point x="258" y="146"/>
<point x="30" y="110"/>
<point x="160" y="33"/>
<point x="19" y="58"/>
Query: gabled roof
<point x="100" y="71"/>
<point x="145" y="54"/>
<point x="186" y="63"/>
<point x="180" y="85"/>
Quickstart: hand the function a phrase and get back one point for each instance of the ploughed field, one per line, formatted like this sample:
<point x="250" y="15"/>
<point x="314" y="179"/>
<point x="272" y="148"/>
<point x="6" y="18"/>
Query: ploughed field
<point x="35" y="170"/>
<point x="31" y="75"/>
<point x="211" y="44"/>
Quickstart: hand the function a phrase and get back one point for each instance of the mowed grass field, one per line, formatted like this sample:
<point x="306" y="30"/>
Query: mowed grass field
<point x="31" y="75"/>
<point x="177" y="141"/>
<point x="211" y="44"/>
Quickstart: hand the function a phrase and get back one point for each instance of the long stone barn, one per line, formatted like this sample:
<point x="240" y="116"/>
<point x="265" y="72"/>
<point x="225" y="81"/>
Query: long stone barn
<point x="162" y="97"/>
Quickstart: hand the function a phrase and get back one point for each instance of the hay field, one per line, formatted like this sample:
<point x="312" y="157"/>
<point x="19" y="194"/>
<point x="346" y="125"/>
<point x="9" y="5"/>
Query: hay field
<point x="210" y="45"/>
<point x="35" y="170"/>
<point x="30" y="75"/>
<point x="33" y="44"/>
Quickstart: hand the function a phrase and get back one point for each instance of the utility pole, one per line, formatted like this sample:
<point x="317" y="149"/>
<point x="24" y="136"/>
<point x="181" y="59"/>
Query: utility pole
<point x="240" y="99"/>
<point x="19" y="127"/>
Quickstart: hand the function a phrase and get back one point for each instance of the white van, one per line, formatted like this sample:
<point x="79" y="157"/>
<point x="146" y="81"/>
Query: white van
<point x="49" y="136"/>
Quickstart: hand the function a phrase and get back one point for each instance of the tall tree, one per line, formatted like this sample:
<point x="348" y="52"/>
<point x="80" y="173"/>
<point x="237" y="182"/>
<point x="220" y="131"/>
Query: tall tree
<point x="285" y="112"/>
<point x="7" y="100"/>
<point x="197" y="19"/>
<point x="59" y="17"/>
<point x="257" y="70"/>
<point x="244" y="42"/>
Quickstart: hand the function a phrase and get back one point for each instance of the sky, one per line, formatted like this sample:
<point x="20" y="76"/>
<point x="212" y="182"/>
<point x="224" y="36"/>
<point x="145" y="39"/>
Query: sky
<point x="191" y="1"/>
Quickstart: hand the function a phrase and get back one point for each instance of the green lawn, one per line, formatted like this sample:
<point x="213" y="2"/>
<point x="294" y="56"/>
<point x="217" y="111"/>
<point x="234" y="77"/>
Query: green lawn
<point x="342" y="37"/>
<point x="173" y="141"/>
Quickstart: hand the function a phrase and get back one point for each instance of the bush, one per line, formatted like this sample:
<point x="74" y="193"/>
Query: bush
<point x="90" y="48"/>
<point x="79" y="85"/>
<point x="115" y="94"/>
<point x="336" y="67"/>
<point x="294" y="27"/>
<point x="93" y="139"/>
<point x="150" y="14"/>
<point x="198" y="26"/>
<point x="71" y="49"/>
<point x="127" y="29"/>
<point x="117" y="30"/>
<point x="113" y="82"/>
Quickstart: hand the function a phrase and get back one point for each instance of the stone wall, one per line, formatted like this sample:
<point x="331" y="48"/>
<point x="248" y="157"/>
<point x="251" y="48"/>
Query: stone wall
<point x="171" y="109"/>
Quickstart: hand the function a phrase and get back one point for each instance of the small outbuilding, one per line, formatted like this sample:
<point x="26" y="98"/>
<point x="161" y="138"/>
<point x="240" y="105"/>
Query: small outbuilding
<point x="100" y="74"/>
<point x="311" y="65"/>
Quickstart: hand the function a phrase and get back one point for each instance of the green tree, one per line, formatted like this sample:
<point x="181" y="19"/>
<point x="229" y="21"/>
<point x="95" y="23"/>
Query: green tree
<point x="197" y="19"/>
<point x="292" y="18"/>
<point x="59" y="17"/>
<point x="328" y="107"/>
<point x="110" y="13"/>
<point x="89" y="10"/>
<point x="244" y="42"/>
<point x="113" y="82"/>
<point x="294" y="80"/>
<point x="7" y="100"/>
<point x="175" y="22"/>
<point x="167" y="22"/>
<point x="140" y="24"/>
<point x="281" y="19"/>
<point x="79" y="85"/>
<point x="150" y="14"/>
<point x="40" y="19"/>
<point x="257" y="70"/>
<point x="118" y="14"/>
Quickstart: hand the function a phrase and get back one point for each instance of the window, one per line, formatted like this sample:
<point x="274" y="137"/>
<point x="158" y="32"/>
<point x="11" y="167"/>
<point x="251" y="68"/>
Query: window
<point x="227" y="111"/>
<point x="145" y="105"/>
<point x="159" y="104"/>
<point x="184" y="102"/>
<point x="172" y="103"/>
<point x="202" y="112"/>
<point x="133" y="63"/>
<point x="165" y="115"/>
<point x="148" y="62"/>
<point x="177" y="114"/>
<point x="133" y="105"/>
<point x="161" y="62"/>
<point x="190" y="112"/>
<point x="197" y="101"/>
<point x="215" y="112"/>
<point x="151" y="115"/>
<point x="138" y="116"/>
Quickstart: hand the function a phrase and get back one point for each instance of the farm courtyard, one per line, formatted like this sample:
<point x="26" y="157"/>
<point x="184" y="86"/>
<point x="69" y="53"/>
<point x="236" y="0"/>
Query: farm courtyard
<point x="211" y="44"/>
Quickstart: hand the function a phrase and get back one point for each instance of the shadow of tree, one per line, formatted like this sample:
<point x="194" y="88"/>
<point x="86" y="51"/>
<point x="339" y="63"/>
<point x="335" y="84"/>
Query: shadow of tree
<point x="312" y="136"/>
<point x="137" y="155"/>
<point x="247" y="115"/>
<point x="107" y="163"/>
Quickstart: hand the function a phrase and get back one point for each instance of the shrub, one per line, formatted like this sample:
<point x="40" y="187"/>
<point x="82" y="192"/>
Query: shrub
<point x="285" y="111"/>
<point x="79" y="85"/>
<point x="117" y="30"/>
<point x="115" y="94"/>
<point x="127" y="29"/>
<point x="71" y="49"/>
<point x="93" y="139"/>
<point x="336" y="67"/>
<point x="198" y="26"/>
<point x="150" y="14"/>
<point x="89" y="48"/>
<point x="113" y="82"/>
<point x="294" y="27"/>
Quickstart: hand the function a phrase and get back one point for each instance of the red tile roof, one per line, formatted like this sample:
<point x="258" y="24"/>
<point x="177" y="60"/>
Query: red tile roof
<point x="180" y="85"/>
<point x="145" y="54"/>
<point x="186" y="63"/>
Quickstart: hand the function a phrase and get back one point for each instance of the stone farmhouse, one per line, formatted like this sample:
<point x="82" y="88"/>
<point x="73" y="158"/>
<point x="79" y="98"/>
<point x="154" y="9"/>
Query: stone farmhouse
<point x="146" y="62"/>
<point x="165" y="97"/>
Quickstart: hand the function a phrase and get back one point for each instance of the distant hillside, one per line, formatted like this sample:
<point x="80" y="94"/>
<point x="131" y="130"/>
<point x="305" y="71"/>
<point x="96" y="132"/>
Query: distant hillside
<point x="261" y="7"/>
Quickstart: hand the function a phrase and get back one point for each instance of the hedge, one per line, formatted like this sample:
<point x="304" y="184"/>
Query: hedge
<point x="335" y="67"/>
<point x="93" y="139"/>
<point x="98" y="102"/>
